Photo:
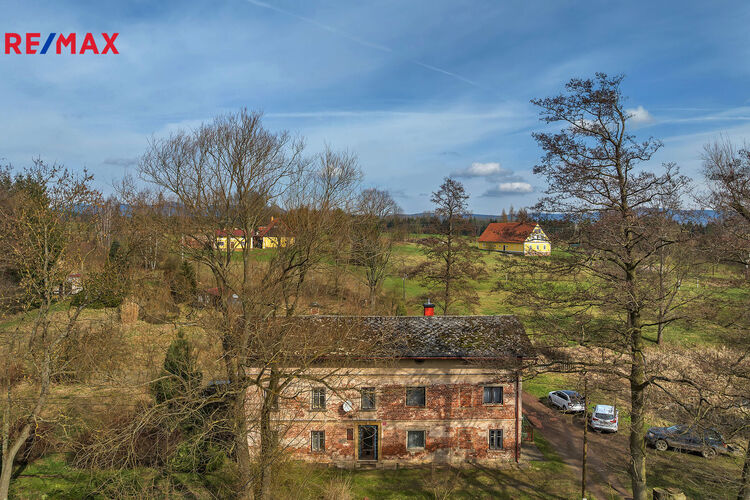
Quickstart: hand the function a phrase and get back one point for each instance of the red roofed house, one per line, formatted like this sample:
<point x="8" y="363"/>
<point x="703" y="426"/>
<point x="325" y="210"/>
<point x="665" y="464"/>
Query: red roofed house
<point x="275" y="234"/>
<point x="522" y="238"/>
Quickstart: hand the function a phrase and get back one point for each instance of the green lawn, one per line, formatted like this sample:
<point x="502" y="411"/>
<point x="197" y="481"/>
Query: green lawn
<point x="51" y="477"/>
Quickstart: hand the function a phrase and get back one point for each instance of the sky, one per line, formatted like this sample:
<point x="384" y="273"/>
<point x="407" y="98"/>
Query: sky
<point x="419" y="90"/>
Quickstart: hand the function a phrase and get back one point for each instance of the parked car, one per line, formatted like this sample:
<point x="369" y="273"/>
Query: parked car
<point x="605" y="418"/>
<point x="566" y="400"/>
<point x="707" y="442"/>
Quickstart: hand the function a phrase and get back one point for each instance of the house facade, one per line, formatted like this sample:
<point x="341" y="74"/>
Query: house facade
<point x="451" y="394"/>
<point x="233" y="241"/>
<point x="275" y="234"/>
<point x="521" y="238"/>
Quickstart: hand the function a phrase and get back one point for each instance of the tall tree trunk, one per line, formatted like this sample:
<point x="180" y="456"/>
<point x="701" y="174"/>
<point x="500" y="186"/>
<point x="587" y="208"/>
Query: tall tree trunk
<point x="262" y="486"/>
<point x="585" y="434"/>
<point x="744" y="493"/>
<point x="242" y="448"/>
<point x="659" y="329"/>
<point x="9" y="458"/>
<point x="637" y="403"/>
<point x="662" y="308"/>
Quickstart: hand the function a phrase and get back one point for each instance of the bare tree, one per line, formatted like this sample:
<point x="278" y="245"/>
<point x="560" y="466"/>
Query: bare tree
<point x="592" y="170"/>
<point x="727" y="170"/>
<point x="44" y="220"/>
<point x="371" y="245"/>
<point x="453" y="261"/>
<point x="232" y="175"/>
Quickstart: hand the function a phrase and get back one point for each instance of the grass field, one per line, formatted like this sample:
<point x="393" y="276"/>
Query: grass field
<point x="52" y="477"/>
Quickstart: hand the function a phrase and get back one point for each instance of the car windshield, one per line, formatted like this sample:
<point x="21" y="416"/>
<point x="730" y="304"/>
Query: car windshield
<point x="675" y="428"/>
<point x="604" y="416"/>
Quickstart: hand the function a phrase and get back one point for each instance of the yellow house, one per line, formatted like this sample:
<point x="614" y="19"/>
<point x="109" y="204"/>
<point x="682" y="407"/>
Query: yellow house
<point x="275" y="234"/>
<point x="522" y="238"/>
<point x="233" y="240"/>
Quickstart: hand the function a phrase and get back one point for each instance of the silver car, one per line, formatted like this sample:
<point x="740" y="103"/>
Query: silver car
<point x="605" y="418"/>
<point x="566" y="400"/>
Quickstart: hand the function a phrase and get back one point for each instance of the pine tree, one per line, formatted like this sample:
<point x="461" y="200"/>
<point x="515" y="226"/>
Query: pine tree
<point x="180" y="376"/>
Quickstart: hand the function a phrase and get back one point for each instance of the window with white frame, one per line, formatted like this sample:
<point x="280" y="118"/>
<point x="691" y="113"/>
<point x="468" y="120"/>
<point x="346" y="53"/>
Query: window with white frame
<point x="496" y="439"/>
<point x="318" y="398"/>
<point x="318" y="440"/>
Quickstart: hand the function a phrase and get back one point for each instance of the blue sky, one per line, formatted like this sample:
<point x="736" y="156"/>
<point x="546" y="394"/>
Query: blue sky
<point x="418" y="89"/>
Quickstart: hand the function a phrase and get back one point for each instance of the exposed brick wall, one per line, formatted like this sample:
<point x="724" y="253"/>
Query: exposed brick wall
<point x="455" y="419"/>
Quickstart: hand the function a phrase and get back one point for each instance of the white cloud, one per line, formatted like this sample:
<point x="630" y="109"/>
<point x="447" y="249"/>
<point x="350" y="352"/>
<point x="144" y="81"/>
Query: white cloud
<point x="639" y="115"/>
<point x="509" y="188"/>
<point x="477" y="169"/>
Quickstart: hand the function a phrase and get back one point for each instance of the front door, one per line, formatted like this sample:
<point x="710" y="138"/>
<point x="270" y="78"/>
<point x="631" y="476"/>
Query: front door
<point x="368" y="442"/>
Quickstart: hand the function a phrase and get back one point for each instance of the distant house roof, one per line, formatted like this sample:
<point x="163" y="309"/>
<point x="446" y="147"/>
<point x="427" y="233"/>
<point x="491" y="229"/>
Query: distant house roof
<point x="274" y="228"/>
<point x="434" y="337"/>
<point x="234" y="232"/>
<point x="507" y="232"/>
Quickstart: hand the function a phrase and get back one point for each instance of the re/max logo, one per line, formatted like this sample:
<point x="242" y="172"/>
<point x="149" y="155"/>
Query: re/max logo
<point x="29" y="43"/>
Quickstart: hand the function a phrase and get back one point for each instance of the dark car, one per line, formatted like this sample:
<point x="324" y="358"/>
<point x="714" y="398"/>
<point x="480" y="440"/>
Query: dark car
<point x="707" y="442"/>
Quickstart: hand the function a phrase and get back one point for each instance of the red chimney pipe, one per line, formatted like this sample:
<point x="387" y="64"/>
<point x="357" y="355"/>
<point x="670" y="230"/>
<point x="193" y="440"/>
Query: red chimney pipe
<point x="429" y="308"/>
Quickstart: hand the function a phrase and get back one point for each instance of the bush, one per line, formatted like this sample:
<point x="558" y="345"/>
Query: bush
<point x="102" y="289"/>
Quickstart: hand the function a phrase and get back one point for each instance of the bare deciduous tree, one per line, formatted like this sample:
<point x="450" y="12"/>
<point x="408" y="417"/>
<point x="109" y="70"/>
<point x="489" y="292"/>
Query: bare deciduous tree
<point x="593" y="174"/>
<point x="231" y="175"/>
<point x="727" y="170"/>
<point x="44" y="218"/>
<point x="371" y="245"/>
<point x="453" y="261"/>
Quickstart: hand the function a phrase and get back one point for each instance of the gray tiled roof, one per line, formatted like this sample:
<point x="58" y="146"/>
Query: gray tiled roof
<point x="436" y="336"/>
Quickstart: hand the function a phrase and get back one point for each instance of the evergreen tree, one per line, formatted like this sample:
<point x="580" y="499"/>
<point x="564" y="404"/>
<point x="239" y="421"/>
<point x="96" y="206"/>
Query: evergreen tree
<point x="180" y="375"/>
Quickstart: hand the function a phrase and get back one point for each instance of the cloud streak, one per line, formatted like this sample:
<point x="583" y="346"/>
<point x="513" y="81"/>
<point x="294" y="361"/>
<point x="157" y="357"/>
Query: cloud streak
<point x="360" y="41"/>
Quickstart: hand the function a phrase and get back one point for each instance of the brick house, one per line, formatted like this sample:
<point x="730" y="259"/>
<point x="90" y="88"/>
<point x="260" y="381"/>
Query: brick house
<point x="449" y="393"/>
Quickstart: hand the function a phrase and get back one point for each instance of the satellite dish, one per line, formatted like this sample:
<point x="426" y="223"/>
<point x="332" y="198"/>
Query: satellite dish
<point x="347" y="406"/>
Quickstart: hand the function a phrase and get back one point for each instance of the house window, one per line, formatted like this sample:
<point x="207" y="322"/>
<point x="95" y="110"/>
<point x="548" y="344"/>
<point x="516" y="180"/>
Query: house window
<point x="415" y="396"/>
<point x="318" y="440"/>
<point x="368" y="398"/>
<point x="493" y="395"/>
<point x="496" y="439"/>
<point x="319" y="398"/>
<point x="415" y="440"/>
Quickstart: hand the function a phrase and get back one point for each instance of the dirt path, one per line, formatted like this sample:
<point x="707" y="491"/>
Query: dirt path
<point x="565" y="434"/>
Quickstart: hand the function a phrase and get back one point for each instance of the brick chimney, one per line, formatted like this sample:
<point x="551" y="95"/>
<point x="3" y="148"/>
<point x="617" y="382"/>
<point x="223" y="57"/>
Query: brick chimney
<point x="429" y="308"/>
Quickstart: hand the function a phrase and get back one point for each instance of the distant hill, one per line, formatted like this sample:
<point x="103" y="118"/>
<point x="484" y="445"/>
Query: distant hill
<point x="701" y="216"/>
